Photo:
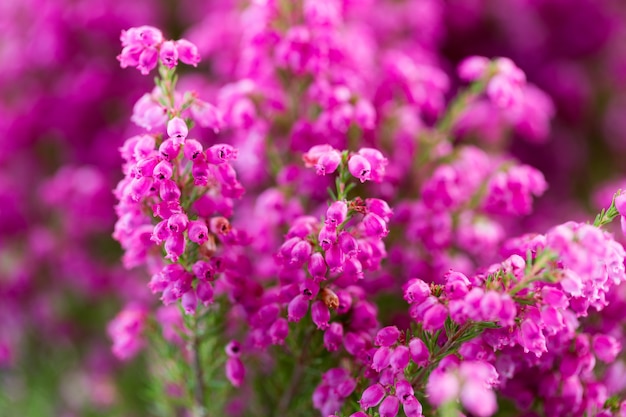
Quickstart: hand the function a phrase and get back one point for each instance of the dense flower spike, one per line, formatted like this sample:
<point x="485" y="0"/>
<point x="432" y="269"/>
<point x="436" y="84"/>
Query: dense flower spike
<point x="328" y="268"/>
<point x="323" y="162"/>
<point x="459" y="164"/>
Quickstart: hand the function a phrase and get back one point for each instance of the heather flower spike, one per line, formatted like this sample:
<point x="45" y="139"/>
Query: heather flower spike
<point x="323" y="188"/>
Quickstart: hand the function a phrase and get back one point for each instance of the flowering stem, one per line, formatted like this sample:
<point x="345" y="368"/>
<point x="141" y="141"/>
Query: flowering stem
<point x="342" y="182"/>
<point x="459" y="104"/>
<point x="199" y="409"/>
<point x="448" y="348"/>
<point x="167" y="84"/>
<point x="532" y="273"/>
<point x="296" y="377"/>
<point x="607" y="216"/>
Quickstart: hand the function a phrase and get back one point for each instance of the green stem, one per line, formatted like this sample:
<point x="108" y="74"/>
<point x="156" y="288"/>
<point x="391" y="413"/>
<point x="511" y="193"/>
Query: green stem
<point x="199" y="408"/>
<point x="459" y="104"/>
<point x="444" y="351"/>
<point x="296" y="377"/>
<point x="541" y="261"/>
<point x="608" y="215"/>
<point x="342" y="182"/>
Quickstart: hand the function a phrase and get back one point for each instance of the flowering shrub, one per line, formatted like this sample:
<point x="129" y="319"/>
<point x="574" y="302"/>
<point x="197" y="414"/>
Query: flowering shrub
<point x="323" y="211"/>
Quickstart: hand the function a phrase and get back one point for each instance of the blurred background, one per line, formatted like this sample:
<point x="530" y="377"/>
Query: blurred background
<point x="65" y="106"/>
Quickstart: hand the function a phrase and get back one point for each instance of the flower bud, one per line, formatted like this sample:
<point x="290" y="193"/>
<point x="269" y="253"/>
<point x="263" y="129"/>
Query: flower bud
<point x="329" y="298"/>
<point x="235" y="371"/>
<point x="372" y="396"/>
<point x="416" y="291"/>
<point x="404" y="390"/>
<point x="472" y="68"/>
<point x="379" y="207"/>
<point x="359" y="167"/>
<point x="148" y="60"/>
<point x="381" y="358"/>
<point x="163" y="170"/>
<point x="399" y="358"/>
<point x="348" y="244"/>
<point x="145" y="166"/>
<point x="297" y="308"/>
<point x="387" y="336"/>
<point x="198" y="232"/>
<point x="333" y="337"/>
<point x="174" y="246"/>
<point x="389" y="407"/>
<point x="187" y="52"/>
<point x="168" y="54"/>
<point x="336" y="214"/>
<point x="317" y="266"/>
<point x="606" y="347"/>
<point x="278" y="331"/>
<point x="233" y="349"/>
<point x="327" y="237"/>
<point x="419" y="351"/>
<point x="169" y="191"/>
<point x="309" y="289"/>
<point x="177" y="129"/>
<point x="218" y="154"/>
<point x="435" y="317"/>
<point x="169" y="149"/>
<point x="139" y="187"/>
<point x="320" y="315"/>
<point x="374" y="225"/>
<point x="345" y="302"/>
<point x="192" y="149"/>
<point x="412" y="407"/>
<point x="300" y="253"/>
<point x="189" y="302"/>
<point x="335" y="258"/>
<point x="204" y="292"/>
<point x="177" y="223"/>
<point x="200" y="172"/>
<point x="160" y="232"/>
<point x="328" y="162"/>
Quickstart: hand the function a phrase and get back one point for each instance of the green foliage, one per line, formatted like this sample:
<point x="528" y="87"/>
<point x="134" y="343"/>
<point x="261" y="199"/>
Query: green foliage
<point x="608" y="215"/>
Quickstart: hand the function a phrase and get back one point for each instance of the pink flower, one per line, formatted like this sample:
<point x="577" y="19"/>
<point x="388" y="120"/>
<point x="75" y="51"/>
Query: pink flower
<point x="168" y="54"/>
<point x="126" y="331"/>
<point x="235" y="371"/>
<point x="389" y="407"/>
<point x="377" y="162"/>
<point x="360" y="167"/>
<point x="328" y="162"/>
<point x="177" y="129"/>
<point x="478" y="400"/>
<point x="473" y="68"/>
<point x="387" y="336"/>
<point x="187" y="52"/>
<point x="419" y="351"/>
<point x="372" y="396"/>
<point x="606" y="347"/>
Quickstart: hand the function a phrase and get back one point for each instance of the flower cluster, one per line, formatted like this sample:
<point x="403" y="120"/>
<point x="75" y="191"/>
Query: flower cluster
<point x="290" y="276"/>
<point x="144" y="47"/>
<point x="172" y="178"/>
<point x="329" y="114"/>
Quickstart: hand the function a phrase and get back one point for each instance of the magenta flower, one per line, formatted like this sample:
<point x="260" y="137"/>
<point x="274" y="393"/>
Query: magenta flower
<point x="387" y="336"/>
<point x="372" y="396"/>
<point x="235" y="371"/>
<point x="360" y="167"/>
<point x="187" y="52"/>
<point x="126" y="331"/>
